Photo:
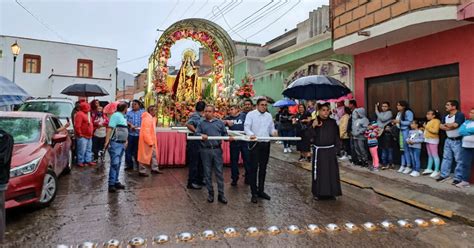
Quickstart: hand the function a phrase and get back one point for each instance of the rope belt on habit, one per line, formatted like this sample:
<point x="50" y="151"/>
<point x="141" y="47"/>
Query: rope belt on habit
<point x="315" y="155"/>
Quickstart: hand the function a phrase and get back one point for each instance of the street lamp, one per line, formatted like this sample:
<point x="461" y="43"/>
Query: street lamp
<point x="15" y="51"/>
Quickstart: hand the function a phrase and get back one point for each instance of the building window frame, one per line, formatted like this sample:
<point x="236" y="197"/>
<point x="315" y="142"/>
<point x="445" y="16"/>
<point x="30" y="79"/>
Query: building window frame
<point x="26" y="58"/>
<point x="87" y="62"/>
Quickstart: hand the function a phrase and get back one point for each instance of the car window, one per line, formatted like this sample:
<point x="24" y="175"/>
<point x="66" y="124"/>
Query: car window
<point x="56" y="123"/>
<point x="50" y="130"/>
<point x="24" y="130"/>
<point x="61" y="109"/>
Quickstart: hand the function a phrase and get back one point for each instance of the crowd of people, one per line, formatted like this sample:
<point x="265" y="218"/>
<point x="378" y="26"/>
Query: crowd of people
<point x="129" y="131"/>
<point x="345" y="132"/>
<point x="381" y="137"/>
<point x="205" y="156"/>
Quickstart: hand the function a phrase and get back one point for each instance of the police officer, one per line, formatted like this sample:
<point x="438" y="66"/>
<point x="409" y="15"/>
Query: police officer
<point x="193" y="160"/>
<point x="211" y="152"/>
<point x="235" y="122"/>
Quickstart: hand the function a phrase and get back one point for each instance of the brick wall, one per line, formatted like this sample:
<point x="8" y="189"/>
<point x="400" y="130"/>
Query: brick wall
<point x="350" y="16"/>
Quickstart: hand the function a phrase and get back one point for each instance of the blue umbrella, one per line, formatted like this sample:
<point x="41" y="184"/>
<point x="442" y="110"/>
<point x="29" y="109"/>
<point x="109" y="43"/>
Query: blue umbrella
<point x="10" y="93"/>
<point x="284" y="103"/>
<point x="316" y="88"/>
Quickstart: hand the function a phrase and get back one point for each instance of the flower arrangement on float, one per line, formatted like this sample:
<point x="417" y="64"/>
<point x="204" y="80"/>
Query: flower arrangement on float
<point x="246" y="89"/>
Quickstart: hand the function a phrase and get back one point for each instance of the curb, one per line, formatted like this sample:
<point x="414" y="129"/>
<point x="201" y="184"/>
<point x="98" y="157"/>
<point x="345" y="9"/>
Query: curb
<point x="442" y="212"/>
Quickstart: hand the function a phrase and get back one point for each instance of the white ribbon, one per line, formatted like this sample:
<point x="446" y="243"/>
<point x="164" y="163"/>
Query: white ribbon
<point x="315" y="154"/>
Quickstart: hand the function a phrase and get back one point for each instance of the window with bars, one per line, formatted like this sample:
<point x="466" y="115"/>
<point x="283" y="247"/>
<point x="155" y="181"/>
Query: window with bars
<point x="84" y="68"/>
<point x="31" y="63"/>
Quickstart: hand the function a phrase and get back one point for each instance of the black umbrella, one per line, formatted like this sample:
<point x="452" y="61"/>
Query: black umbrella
<point x="316" y="88"/>
<point x="84" y="90"/>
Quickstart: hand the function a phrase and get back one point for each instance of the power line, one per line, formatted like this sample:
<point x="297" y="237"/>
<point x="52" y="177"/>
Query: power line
<point x="252" y="19"/>
<point x="273" y="22"/>
<point x="169" y="14"/>
<point x="222" y="9"/>
<point x="254" y="13"/>
<point x="225" y="20"/>
<point x="268" y="12"/>
<point x="44" y="24"/>
<point x="232" y="6"/>
<point x="202" y="6"/>
<point x="211" y="14"/>
<point x="187" y="9"/>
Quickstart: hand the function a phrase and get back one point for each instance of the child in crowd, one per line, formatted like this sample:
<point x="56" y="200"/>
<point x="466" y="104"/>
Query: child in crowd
<point x="432" y="140"/>
<point x="372" y="135"/>
<point x="414" y="141"/>
<point x="386" y="144"/>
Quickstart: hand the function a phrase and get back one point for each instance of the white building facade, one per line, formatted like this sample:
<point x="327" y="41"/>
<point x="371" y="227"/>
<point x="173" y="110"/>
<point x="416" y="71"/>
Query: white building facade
<point x="44" y="68"/>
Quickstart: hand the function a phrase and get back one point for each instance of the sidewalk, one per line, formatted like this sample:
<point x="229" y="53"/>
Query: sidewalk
<point x="423" y="192"/>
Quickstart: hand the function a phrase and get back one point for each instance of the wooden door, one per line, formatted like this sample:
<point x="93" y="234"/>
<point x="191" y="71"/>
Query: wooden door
<point x="419" y="97"/>
<point x="391" y="92"/>
<point x="443" y="90"/>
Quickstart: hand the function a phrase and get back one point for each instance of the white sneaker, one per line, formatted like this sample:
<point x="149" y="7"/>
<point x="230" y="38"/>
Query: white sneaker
<point x="426" y="172"/>
<point x="463" y="184"/>
<point x="289" y="150"/>
<point x="402" y="168"/>
<point x="435" y="174"/>
<point x="285" y="150"/>
<point x="407" y="170"/>
<point x="415" y="174"/>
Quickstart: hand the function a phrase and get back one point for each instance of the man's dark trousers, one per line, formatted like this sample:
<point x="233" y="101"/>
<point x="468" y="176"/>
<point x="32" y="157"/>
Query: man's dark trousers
<point x="259" y="155"/>
<point x="237" y="148"/>
<point x="131" y="154"/>
<point x="212" y="159"/>
<point x="194" y="162"/>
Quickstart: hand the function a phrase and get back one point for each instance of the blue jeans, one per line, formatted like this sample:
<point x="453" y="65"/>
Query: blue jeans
<point x="84" y="150"/>
<point x="287" y="133"/>
<point x="387" y="155"/>
<point x="131" y="155"/>
<point x="237" y="148"/>
<point x="415" y="158"/>
<point x="116" y="151"/>
<point x="406" y="148"/>
<point x="452" y="150"/>
<point x="463" y="170"/>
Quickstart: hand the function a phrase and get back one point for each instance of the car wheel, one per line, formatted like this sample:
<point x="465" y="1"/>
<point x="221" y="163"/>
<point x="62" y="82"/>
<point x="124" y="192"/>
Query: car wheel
<point x="49" y="189"/>
<point x="68" y="168"/>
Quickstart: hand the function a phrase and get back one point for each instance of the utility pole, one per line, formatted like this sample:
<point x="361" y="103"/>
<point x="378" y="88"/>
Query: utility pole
<point x="123" y="89"/>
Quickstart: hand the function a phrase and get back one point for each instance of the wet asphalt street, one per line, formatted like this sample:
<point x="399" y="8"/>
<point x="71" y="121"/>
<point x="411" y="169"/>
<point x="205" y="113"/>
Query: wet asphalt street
<point x="84" y="211"/>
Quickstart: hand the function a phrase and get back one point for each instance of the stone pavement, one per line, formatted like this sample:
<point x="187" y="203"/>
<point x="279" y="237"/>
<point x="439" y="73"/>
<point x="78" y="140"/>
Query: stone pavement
<point x="423" y="192"/>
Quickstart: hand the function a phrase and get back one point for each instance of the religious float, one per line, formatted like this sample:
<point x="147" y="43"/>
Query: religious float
<point x="175" y="94"/>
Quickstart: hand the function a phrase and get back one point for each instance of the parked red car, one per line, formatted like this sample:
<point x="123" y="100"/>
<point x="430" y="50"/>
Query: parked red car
<point x="41" y="152"/>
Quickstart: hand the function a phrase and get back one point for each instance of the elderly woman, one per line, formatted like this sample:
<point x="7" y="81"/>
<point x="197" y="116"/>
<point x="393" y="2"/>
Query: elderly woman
<point x="147" y="147"/>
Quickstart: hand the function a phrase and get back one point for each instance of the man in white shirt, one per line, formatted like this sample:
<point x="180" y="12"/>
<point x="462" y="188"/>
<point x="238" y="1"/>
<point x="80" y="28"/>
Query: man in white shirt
<point x="453" y="143"/>
<point x="259" y="123"/>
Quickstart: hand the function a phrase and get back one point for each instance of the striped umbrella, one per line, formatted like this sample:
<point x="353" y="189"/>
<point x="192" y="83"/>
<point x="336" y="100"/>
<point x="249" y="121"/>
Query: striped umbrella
<point x="10" y="93"/>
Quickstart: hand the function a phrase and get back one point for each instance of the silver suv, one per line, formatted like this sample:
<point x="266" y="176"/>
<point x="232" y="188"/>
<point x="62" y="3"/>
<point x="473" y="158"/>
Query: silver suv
<point x="61" y="107"/>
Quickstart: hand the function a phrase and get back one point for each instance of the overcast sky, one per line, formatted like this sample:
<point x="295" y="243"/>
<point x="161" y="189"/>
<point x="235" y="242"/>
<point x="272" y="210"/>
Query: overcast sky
<point x="131" y="26"/>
